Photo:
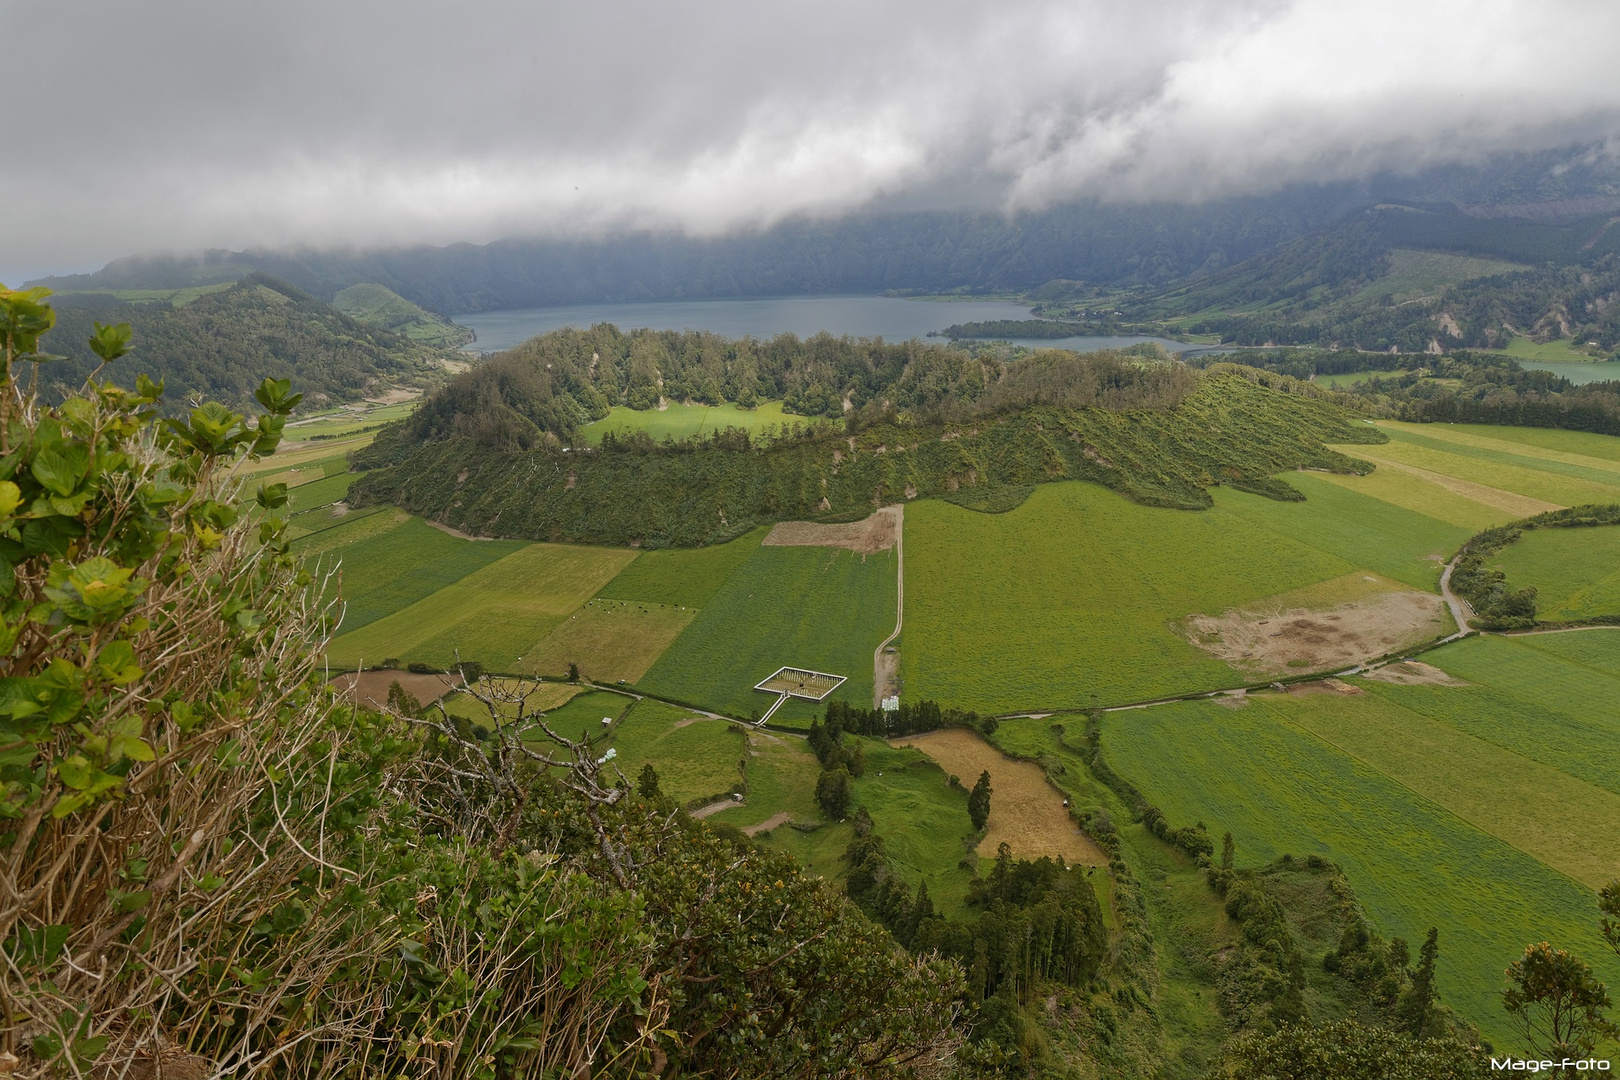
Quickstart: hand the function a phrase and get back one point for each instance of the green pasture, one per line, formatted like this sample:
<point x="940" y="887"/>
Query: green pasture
<point x="609" y="640"/>
<point x="695" y="761"/>
<point x="1551" y="698"/>
<point x="922" y="819"/>
<point x="318" y="493"/>
<point x="782" y="775"/>
<point x="810" y="607"/>
<point x="1075" y="595"/>
<point x="1358" y="527"/>
<point x="682" y="577"/>
<point x="1592" y="469"/>
<point x="1559" y="819"/>
<point x="1421" y="496"/>
<point x="1413" y="274"/>
<point x="1279" y="789"/>
<point x="1353" y="378"/>
<point x="347" y="421"/>
<point x="387" y="571"/>
<point x="1575" y="572"/>
<point x="492" y="614"/>
<point x="1558" y="350"/>
<point x="1536" y="477"/>
<point x="578" y="716"/>
<point x="685" y="421"/>
<point x="1553" y="444"/>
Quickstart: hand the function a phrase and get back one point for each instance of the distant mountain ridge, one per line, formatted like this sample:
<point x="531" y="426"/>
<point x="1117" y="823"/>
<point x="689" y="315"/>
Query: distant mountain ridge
<point x="222" y="343"/>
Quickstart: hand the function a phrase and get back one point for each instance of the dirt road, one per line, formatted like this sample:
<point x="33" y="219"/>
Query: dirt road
<point x="886" y="666"/>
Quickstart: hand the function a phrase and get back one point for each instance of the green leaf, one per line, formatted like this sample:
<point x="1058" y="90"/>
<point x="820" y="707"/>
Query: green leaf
<point x="32" y="945"/>
<point x="271" y="496"/>
<point x="10" y="497"/>
<point x="76" y="772"/>
<point x="124" y="903"/>
<point x="61" y="470"/>
<point x="110" y="342"/>
<point x="275" y="395"/>
<point x="116" y="663"/>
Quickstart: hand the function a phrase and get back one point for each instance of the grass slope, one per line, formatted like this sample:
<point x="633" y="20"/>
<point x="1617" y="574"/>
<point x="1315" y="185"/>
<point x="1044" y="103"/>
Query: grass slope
<point x="1280" y="789"/>
<point x="820" y="608"/>
<point x="695" y="761"/>
<point x="1074" y="594"/>
<point x="609" y="640"/>
<point x="683" y="421"/>
<point x="1575" y="572"/>
<point x="683" y="577"/>
<point x="493" y="614"/>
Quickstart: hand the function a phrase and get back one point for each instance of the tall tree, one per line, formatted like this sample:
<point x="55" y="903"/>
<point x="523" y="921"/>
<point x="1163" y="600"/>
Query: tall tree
<point x="1556" y="1002"/>
<point x="833" y="793"/>
<point x="1415" y="1011"/>
<point x="979" y="801"/>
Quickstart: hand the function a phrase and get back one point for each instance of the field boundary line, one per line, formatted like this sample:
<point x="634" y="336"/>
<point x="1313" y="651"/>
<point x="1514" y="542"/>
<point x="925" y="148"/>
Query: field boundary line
<point x="899" y="605"/>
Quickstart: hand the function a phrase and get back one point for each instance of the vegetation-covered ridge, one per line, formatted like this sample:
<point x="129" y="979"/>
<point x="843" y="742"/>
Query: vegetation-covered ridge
<point x="1498" y="604"/>
<point x="221" y="344"/>
<point x="1238" y="427"/>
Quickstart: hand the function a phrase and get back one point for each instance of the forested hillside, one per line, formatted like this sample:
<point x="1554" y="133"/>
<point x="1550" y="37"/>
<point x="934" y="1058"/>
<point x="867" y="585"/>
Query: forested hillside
<point x="499" y="451"/>
<point x="1399" y="277"/>
<point x="222" y="344"/>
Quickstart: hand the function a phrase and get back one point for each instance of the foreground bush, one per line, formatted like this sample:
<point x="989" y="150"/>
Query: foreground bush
<point x="209" y="866"/>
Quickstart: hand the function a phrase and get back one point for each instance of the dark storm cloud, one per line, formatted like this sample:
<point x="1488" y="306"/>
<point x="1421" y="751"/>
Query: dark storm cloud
<point x="194" y="123"/>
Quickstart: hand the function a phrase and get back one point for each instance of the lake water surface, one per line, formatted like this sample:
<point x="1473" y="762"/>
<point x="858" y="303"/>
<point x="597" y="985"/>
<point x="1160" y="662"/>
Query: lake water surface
<point x="1577" y="372"/>
<point x="857" y="316"/>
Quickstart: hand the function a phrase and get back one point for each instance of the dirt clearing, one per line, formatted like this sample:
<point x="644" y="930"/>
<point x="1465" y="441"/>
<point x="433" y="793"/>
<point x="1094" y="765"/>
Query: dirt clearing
<point x="1267" y="640"/>
<point x="371" y="687"/>
<point x="867" y="536"/>
<point x="1026" y="812"/>
<point x="1413" y="673"/>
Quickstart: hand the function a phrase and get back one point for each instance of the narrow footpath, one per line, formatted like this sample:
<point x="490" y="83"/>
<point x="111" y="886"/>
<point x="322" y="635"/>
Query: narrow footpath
<point x="881" y="670"/>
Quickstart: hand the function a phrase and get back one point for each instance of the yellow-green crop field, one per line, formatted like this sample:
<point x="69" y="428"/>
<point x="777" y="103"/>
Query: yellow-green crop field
<point x="1486" y="809"/>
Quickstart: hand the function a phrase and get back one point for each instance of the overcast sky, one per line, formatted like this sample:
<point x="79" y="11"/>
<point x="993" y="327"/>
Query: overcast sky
<point x="178" y="124"/>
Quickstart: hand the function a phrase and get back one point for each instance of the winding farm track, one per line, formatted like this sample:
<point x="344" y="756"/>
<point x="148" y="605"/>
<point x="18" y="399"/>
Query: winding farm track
<point x="1459" y="607"/>
<point x="879" y="680"/>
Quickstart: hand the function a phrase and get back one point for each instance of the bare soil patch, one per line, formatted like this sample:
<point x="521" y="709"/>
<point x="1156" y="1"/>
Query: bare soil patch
<point x="1297" y="640"/>
<point x="715" y="807"/>
<point x="768" y="824"/>
<point x="371" y="687"/>
<point x="1026" y="812"/>
<point x="1413" y="673"/>
<point x="867" y="536"/>
<point x="1326" y="686"/>
<point x="457" y="533"/>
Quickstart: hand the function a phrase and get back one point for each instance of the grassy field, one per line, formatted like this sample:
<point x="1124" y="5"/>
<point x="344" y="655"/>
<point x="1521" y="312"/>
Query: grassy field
<point x="782" y="775"/>
<point x="388" y="570"/>
<point x="922" y="819"/>
<point x="1026" y="813"/>
<point x="1555" y="351"/>
<point x="1519" y="472"/>
<point x="1413" y="274"/>
<point x="820" y="608"/>
<point x="609" y="640"/>
<point x="1575" y="572"/>
<point x="684" y="421"/>
<point x="1280" y="789"/>
<point x="682" y="577"/>
<point x="349" y="420"/>
<point x="1352" y="378"/>
<point x="493" y="614"/>
<point x="1080" y="597"/>
<point x="696" y="759"/>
